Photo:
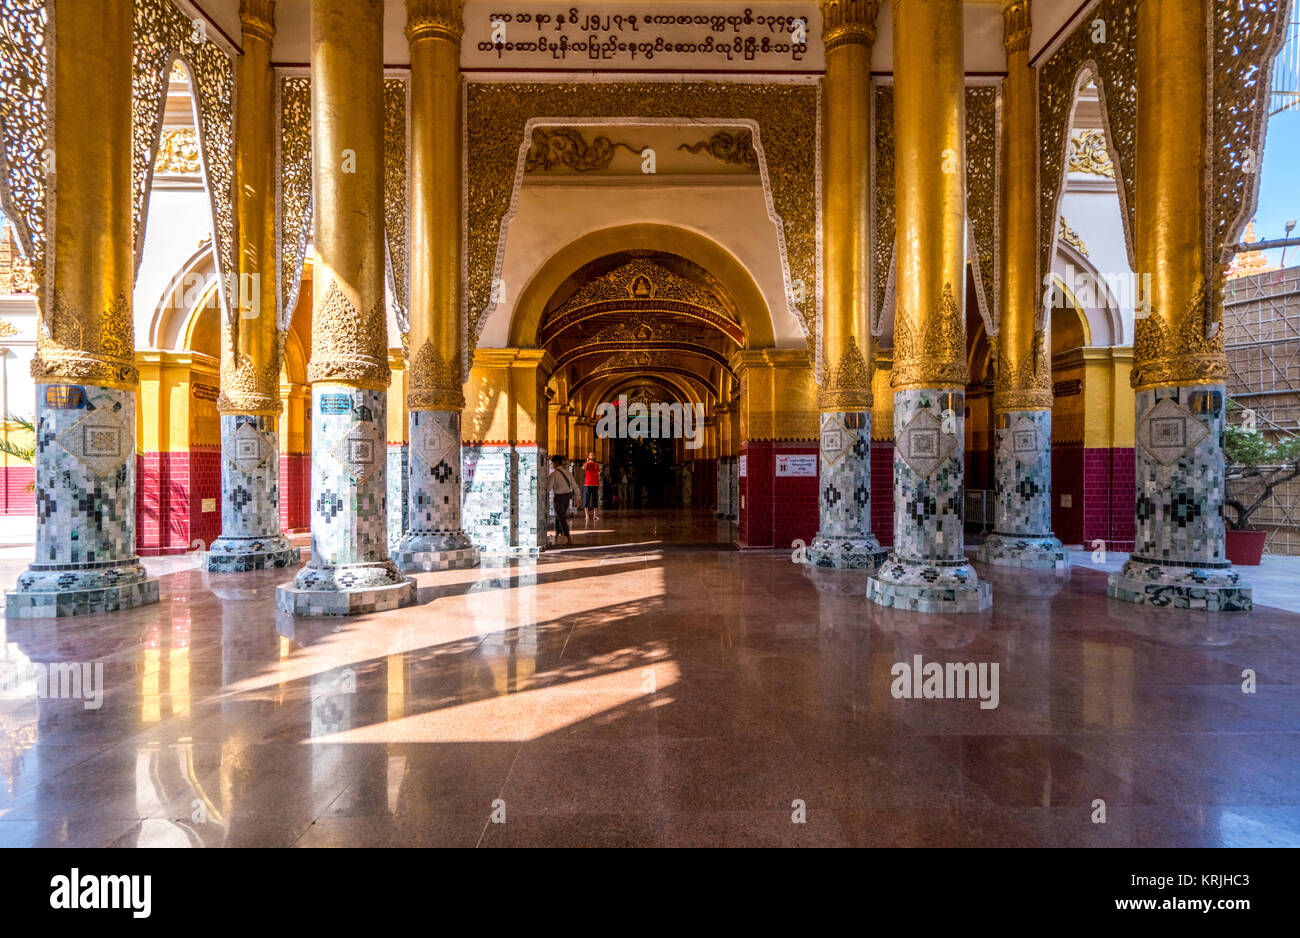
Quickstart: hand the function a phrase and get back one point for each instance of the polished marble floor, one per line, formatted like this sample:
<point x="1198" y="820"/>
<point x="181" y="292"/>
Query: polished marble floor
<point x="648" y="687"/>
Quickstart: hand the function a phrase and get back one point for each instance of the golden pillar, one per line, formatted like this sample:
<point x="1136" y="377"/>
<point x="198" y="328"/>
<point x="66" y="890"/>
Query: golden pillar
<point x="249" y="404"/>
<point x="85" y="371"/>
<point x="844" y="537"/>
<point x="350" y="569"/>
<point x="434" y="539"/>
<point x="927" y="570"/>
<point x="1179" y="363"/>
<point x="1022" y="393"/>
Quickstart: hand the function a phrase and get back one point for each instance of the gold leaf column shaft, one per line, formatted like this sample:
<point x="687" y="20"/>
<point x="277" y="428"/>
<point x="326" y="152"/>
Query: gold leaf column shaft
<point x="930" y="160"/>
<point x="86" y="333"/>
<point x="1170" y="345"/>
<point x="849" y="30"/>
<point x="1024" y="376"/>
<point x="349" y="323"/>
<point x="250" y="358"/>
<point x="434" y="29"/>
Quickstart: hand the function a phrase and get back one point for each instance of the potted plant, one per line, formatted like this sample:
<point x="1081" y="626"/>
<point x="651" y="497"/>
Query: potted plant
<point x="1256" y="467"/>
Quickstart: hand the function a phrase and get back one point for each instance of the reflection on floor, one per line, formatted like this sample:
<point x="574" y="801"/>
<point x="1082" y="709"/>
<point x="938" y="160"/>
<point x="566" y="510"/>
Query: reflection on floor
<point x="640" y="695"/>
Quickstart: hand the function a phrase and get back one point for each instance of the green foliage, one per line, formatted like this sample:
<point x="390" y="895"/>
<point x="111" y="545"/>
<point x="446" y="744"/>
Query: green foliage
<point x="26" y="454"/>
<point x="1250" y="449"/>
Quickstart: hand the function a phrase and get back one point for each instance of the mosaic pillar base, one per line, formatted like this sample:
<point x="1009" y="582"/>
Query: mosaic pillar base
<point x="350" y="571"/>
<point x="434" y="539"/>
<point x="399" y="465"/>
<point x="1022" y="499"/>
<point x="1008" y="550"/>
<point x="927" y="571"/>
<point x="844" y="539"/>
<point x="1179" y="558"/>
<point x="84" y="562"/>
<point x="250" y="499"/>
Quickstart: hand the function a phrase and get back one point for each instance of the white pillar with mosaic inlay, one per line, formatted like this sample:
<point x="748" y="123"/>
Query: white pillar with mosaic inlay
<point x="927" y="570"/>
<point x="1179" y="362"/>
<point x="87" y="382"/>
<point x="844" y="538"/>
<point x="1022" y="394"/>
<point x="435" y="539"/>
<point x="350" y="570"/>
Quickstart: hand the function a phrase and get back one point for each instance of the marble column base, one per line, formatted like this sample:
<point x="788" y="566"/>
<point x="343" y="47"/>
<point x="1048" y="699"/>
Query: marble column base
<point x="56" y="591"/>
<point x="435" y="551"/>
<point x="240" y="554"/>
<point x="345" y="590"/>
<point x="846" y="553"/>
<point x="1030" y="553"/>
<point x="1216" y="589"/>
<point x="923" y="587"/>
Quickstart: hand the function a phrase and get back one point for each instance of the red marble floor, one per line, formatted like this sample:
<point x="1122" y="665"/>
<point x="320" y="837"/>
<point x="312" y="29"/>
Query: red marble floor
<point x="646" y="688"/>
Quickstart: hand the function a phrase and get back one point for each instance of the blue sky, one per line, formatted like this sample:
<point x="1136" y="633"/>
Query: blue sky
<point x="1279" y="185"/>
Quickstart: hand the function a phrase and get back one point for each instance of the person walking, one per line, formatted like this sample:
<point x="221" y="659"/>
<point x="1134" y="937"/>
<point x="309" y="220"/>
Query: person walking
<point x="591" y="496"/>
<point x="563" y="487"/>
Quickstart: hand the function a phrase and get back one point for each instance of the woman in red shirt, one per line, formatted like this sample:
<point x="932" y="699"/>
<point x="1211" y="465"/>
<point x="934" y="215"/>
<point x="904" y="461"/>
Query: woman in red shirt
<point x="591" y="488"/>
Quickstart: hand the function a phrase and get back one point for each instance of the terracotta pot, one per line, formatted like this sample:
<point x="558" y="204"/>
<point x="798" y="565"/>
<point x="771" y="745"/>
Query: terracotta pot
<point x="1245" y="548"/>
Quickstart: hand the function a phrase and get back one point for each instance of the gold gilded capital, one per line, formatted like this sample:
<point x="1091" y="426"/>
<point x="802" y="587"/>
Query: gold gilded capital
<point x="1024" y="384"/>
<point x="433" y="382"/>
<point x="1016" y="25"/>
<point x="1176" y="351"/>
<point x="349" y="347"/>
<point x="933" y="356"/>
<point x="93" y="349"/>
<point x="257" y="17"/>
<point x="848" y="386"/>
<point x="434" y="19"/>
<point x="848" y="21"/>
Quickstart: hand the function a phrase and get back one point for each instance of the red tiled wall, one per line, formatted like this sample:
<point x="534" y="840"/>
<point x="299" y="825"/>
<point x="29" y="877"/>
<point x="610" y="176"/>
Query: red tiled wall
<point x="1107" y="500"/>
<point x="882" y="491"/>
<point x="755" y="515"/>
<point x="295" y="491"/>
<point x="15" y="497"/>
<point x="776" y="511"/>
<point x="170" y="488"/>
<point x="1068" y="479"/>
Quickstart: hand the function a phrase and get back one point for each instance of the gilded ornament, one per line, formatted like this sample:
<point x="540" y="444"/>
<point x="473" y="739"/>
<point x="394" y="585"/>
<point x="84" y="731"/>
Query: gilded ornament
<point x="434" y="383"/>
<point x="98" y="349"/>
<point x="982" y="192"/>
<point x="295" y="189"/>
<point x="565" y="146"/>
<point x="435" y="19"/>
<point x="249" y="389"/>
<point x="257" y="17"/>
<point x="1068" y="235"/>
<point x="882" y="242"/>
<point x="848" y="21"/>
<point x="1016" y="25"/>
<point x="849" y="384"/>
<point x="1088" y="154"/>
<point x="1187" y="350"/>
<point x="936" y="357"/>
<point x="1026" y="384"/>
<point x="736" y="149"/>
<point x="348" y="347"/>
<point x="25" y="69"/>
<point x="178" y="151"/>
<point x="396" y="231"/>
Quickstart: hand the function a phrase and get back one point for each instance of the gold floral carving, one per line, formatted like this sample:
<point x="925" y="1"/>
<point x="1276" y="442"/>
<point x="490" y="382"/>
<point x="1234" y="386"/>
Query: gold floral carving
<point x="735" y="149"/>
<point x="178" y="151"/>
<point x="882" y="242"/>
<point x="1088" y="154"/>
<point x="1016" y="26"/>
<point x="565" y="146"/>
<point x="347" y="346"/>
<point x="497" y="114"/>
<point x="24" y="134"/>
<point x="1113" y="63"/>
<point x="1068" y="235"/>
<point x="1026" y="384"/>
<point x="437" y="19"/>
<point x="1185" y="350"/>
<point x="434" y="383"/>
<point x="249" y="389"/>
<point x="95" y="349"/>
<point x="163" y="35"/>
<point x="295" y="189"/>
<point x="8" y="329"/>
<point x="982" y="191"/>
<point x="849" y="384"/>
<point x="934" y="357"/>
<point x="848" y="21"/>
<point x="395" y="195"/>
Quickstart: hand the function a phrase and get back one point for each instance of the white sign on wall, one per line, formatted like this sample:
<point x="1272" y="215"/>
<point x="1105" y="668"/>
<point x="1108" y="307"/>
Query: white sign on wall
<point x="490" y="468"/>
<point x="742" y="473"/>
<point x="797" y="465"/>
<point x="673" y="35"/>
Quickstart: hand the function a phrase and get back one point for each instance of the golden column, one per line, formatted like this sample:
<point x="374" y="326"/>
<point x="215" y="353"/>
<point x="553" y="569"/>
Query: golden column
<point x="350" y="570"/>
<point x="927" y="570"/>
<point x="249" y="404"/>
<point x="1179" y="363"/>
<point x="85" y="372"/>
<point x="844" y="537"/>
<point x="1022" y="396"/>
<point x="434" y="539"/>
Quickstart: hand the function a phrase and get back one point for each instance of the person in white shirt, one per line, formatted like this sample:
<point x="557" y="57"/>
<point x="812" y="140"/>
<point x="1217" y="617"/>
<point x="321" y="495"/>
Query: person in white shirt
<point x="562" y="486"/>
